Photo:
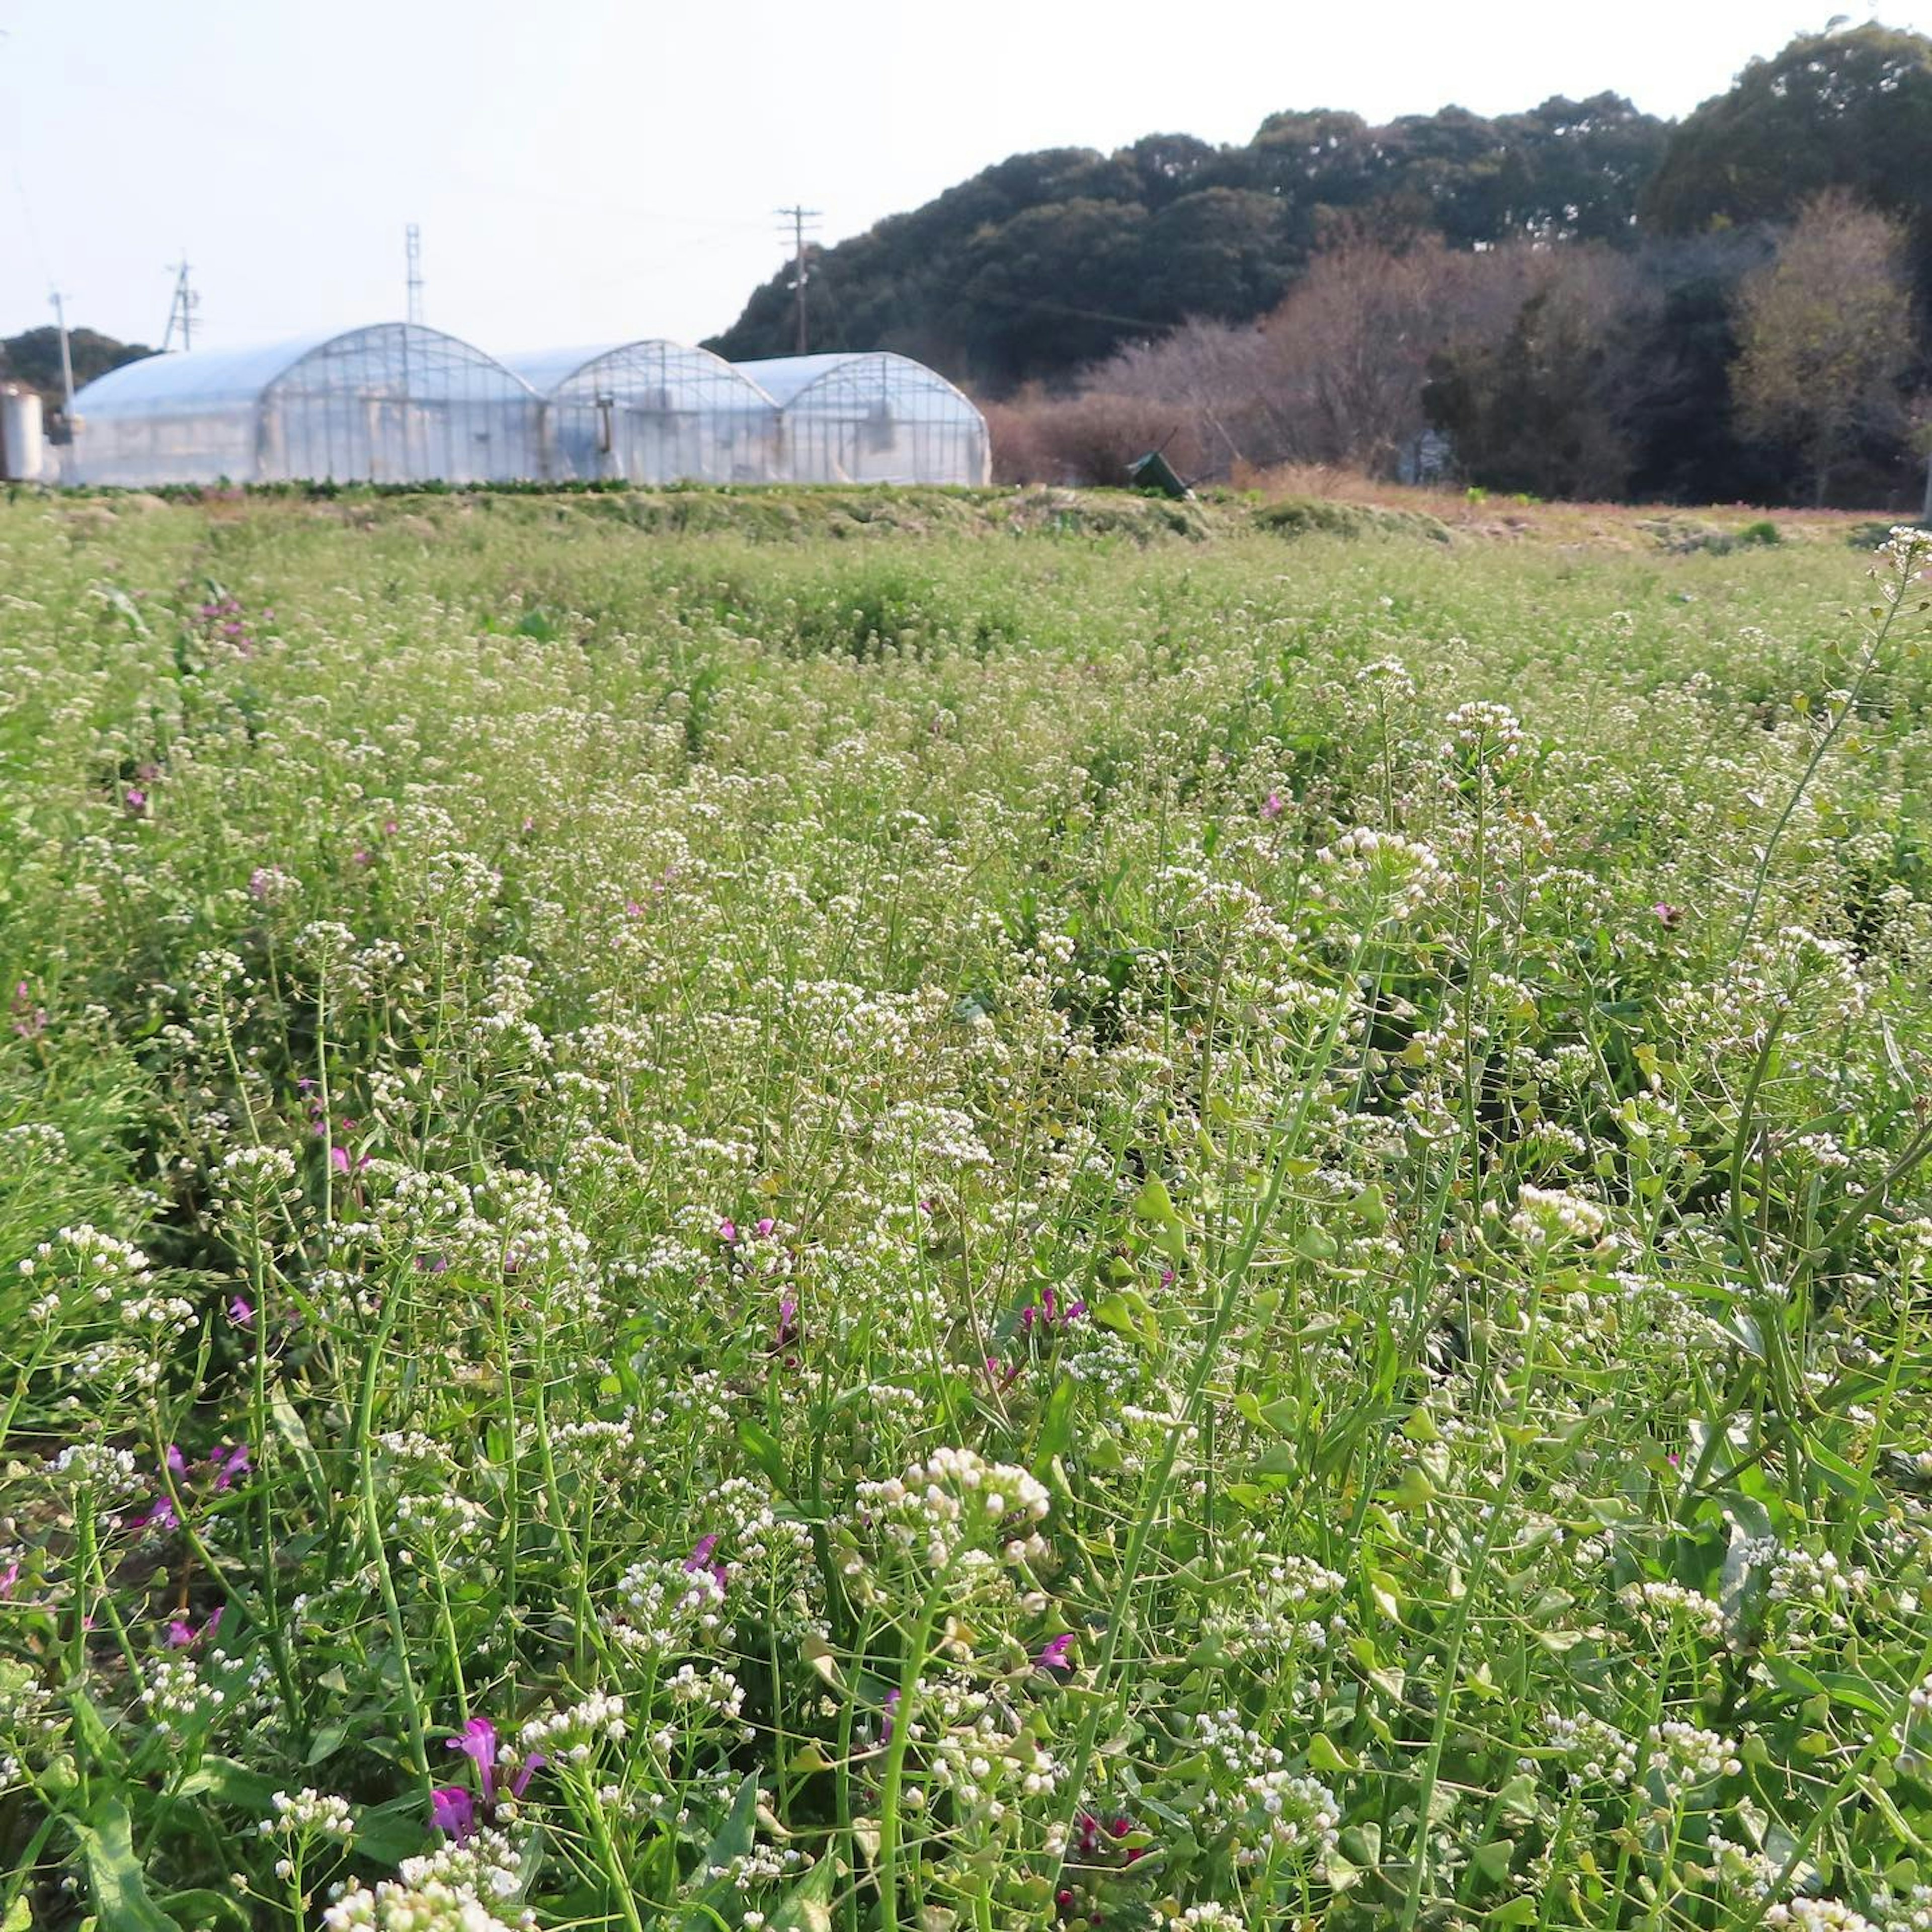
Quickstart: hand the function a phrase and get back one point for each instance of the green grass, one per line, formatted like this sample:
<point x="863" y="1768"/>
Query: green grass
<point x="1006" y="1212"/>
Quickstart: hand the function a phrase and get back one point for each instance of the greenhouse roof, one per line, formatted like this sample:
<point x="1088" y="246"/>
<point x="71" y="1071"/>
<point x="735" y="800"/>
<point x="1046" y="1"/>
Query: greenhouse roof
<point x="784" y="378"/>
<point x="547" y="369"/>
<point x="194" y="379"/>
<point x="206" y="379"/>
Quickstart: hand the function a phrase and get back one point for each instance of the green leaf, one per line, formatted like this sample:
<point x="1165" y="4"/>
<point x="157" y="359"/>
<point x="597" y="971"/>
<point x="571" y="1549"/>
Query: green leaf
<point x="808" y="1907"/>
<point x="201" y="1909"/>
<point x="229" y="1783"/>
<point x="1492" y="1860"/>
<point x="1415" y="1490"/>
<point x="390" y="1833"/>
<point x="290" y="1425"/>
<point x="733" y="1839"/>
<point x="119" y="1885"/>
<point x="1517" y="1799"/>
<point x="1127" y="1312"/>
<point x="1054" y="1436"/>
<point x="764" y="1449"/>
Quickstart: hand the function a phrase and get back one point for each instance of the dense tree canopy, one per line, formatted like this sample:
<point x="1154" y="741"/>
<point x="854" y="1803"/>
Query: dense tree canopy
<point x="1049" y="260"/>
<point x="34" y="357"/>
<point x="1851" y="110"/>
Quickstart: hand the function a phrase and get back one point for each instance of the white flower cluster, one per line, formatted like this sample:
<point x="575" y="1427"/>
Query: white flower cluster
<point x="309" y="1813"/>
<point x="174" y="1692"/>
<point x="396" y="1905"/>
<point x="112" y="1474"/>
<point x="1482" y="725"/>
<point x="1598" y="1753"/>
<point x="569" y="1736"/>
<point x="665" y="1607"/>
<point x="1270" y="1808"/>
<point x="956" y="1501"/>
<point x="247" y="1169"/>
<point x="1688" y="1756"/>
<point x="1662" y="1604"/>
<point x="1818" y="1914"/>
<point x="1545" y="1215"/>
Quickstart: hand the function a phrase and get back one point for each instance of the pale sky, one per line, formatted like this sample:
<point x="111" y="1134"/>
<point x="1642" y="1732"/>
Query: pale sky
<point x="589" y="169"/>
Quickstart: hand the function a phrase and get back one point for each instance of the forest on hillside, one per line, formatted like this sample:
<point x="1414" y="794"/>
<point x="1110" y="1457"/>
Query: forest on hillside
<point x="1581" y="298"/>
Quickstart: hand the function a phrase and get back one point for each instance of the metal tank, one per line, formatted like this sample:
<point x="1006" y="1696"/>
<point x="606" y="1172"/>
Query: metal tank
<point x="22" y="450"/>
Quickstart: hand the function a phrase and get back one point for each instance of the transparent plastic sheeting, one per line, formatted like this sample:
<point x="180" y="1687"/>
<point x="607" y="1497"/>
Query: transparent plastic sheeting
<point x="395" y="403"/>
<point x="872" y="418"/>
<point x="399" y="403"/>
<point x="651" y="412"/>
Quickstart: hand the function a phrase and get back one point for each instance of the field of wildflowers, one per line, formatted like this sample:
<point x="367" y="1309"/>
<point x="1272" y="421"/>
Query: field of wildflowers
<point x="958" y="1230"/>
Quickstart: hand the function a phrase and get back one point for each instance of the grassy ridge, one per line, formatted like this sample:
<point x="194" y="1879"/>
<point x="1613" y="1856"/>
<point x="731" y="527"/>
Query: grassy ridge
<point x="1137" y="1224"/>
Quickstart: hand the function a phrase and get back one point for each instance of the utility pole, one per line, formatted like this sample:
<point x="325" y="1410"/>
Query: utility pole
<point x="413" y="250"/>
<point x="797" y="218"/>
<point x="181" y="309"/>
<point x="59" y="301"/>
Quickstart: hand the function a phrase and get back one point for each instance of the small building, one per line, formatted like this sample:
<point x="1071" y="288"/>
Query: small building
<point x="395" y="402"/>
<point x="650" y="411"/>
<point x="872" y="417"/>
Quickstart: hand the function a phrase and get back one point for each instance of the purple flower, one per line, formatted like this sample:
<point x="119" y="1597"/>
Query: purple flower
<point x="764" y="1227"/>
<point x="9" y="1577"/>
<point x="699" y="1558"/>
<point x="135" y="800"/>
<point x="787" y="1322"/>
<point x="181" y="1633"/>
<point x="159" y="1515"/>
<point x="1272" y="806"/>
<point x="728" y="1232"/>
<point x="1053" y="1654"/>
<point x="453" y="1812"/>
<point x="478" y="1744"/>
<point x="227" y="1464"/>
<point x="177" y="1467"/>
<point x="242" y="1311"/>
<point x="885" y="1722"/>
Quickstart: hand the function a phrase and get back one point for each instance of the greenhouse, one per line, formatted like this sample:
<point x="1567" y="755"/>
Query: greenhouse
<point x="395" y="402"/>
<point x="650" y="411"/>
<point x="872" y="418"/>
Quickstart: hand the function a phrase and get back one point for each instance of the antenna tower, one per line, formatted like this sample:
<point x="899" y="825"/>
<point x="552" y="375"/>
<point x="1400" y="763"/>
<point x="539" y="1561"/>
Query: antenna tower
<point x="183" y="309"/>
<point x="413" y="254"/>
<point x="796" y="219"/>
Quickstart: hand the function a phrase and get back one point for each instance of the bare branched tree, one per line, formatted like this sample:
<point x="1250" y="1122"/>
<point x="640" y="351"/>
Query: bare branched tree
<point x="1825" y="336"/>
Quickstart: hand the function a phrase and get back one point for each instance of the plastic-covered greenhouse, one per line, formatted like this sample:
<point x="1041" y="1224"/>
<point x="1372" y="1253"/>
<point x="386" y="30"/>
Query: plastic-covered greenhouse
<point x="651" y="411"/>
<point x="393" y="403"/>
<point x="872" y="418"/>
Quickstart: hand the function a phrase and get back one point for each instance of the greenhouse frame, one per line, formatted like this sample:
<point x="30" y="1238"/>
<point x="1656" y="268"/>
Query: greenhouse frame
<point x="872" y="417"/>
<point x="650" y="411"/>
<point x="395" y="402"/>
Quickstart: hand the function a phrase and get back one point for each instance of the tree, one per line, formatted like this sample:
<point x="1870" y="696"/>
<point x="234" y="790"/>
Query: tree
<point x="34" y="357"/>
<point x="1825" y="335"/>
<point x="1549" y="408"/>
<point x="1851" y="109"/>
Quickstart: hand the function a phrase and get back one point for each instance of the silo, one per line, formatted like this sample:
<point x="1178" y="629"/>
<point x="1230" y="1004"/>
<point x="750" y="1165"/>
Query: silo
<point x="22" y="449"/>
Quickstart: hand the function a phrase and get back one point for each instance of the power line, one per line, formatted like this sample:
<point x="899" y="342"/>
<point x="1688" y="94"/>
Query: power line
<point x="183" y="309"/>
<point x="412" y="249"/>
<point x="797" y="218"/>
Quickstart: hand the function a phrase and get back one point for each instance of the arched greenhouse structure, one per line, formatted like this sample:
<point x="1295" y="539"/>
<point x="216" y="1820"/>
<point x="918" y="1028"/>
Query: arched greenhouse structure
<point x="651" y="411"/>
<point x="395" y="403"/>
<point x="872" y="418"/>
